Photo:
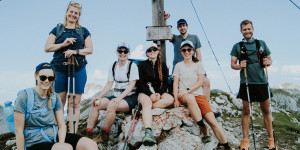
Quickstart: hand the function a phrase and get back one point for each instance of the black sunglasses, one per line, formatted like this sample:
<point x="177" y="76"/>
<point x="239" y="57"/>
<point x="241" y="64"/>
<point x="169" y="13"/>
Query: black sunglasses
<point x="120" y="51"/>
<point x="75" y="4"/>
<point x="50" y="78"/>
<point x="151" y="49"/>
<point x="184" y="50"/>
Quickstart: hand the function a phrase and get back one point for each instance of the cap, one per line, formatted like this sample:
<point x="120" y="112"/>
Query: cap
<point x="187" y="42"/>
<point x="181" y="21"/>
<point x="41" y="66"/>
<point x="151" y="45"/>
<point x="123" y="44"/>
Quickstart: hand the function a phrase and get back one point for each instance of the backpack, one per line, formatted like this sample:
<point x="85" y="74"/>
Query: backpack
<point x="136" y="61"/>
<point x="29" y="107"/>
<point x="260" y="53"/>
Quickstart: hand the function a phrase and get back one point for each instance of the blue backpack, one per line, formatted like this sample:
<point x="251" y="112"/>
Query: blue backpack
<point x="29" y="110"/>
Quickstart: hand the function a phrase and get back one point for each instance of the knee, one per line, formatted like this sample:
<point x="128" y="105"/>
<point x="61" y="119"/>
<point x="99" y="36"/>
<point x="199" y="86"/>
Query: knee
<point x="246" y="111"/>
<point x="266" y="111"/>
<point x="86" y="144"/>
<point x="112" y="107"/>
<point x="64" y="146"/>
<point x="190" y="99"/>
<point x="206" y="82"/>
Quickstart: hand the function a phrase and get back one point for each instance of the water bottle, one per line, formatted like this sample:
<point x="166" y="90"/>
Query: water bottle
<point x="9" y="116"/>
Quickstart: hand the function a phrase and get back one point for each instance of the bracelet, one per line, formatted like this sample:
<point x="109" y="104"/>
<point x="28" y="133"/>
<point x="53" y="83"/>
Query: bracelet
<point x="77" y="51"/>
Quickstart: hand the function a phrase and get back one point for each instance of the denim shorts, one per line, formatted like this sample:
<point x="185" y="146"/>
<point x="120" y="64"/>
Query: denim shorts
<point x="61" y="81"/>
<point x="131" y="100"/>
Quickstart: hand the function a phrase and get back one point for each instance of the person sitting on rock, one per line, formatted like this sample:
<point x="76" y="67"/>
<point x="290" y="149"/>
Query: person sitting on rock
<point x="152" y="87"/>
<point x="39" y="119"/>
<point x="125" y="74"/>
<point x="187" y="89"/>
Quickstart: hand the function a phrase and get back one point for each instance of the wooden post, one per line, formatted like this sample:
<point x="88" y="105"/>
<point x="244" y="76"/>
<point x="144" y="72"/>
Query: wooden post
<point x="158" y="20"/>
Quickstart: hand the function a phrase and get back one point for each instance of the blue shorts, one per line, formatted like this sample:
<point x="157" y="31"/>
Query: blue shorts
<point x="131" y="100"/>
<point x="61" y="81"/>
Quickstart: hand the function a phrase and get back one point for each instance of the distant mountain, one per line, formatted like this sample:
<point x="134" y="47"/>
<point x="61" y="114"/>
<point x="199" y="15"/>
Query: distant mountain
<point x="90" y="90"/>
<point x="287" y="86"/>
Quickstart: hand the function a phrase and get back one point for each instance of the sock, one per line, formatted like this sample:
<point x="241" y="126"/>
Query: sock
<point x="89" y="129"/>
<point x="106" y="129"/>
<point x="201" y="123"/>
<point x="148" y="129"/>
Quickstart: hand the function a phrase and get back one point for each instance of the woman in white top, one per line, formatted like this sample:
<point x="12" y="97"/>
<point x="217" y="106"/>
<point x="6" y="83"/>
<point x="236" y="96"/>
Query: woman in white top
<point x="187" y="90"/>
<point x="125" y="74"/>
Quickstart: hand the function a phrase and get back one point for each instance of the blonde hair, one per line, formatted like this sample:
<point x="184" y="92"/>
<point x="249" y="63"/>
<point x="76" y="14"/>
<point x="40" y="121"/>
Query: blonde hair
<point x="77" y="22"/>
<point x="49" y="91"/>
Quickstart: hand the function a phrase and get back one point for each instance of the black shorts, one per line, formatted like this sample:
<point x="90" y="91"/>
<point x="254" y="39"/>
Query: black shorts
<point x="70" y="138"/>
<point x="257" y="92"/>
<point x="131" y="100"/>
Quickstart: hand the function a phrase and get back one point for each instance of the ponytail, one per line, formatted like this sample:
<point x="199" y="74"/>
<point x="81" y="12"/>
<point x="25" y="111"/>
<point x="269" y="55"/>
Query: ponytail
<point x="159" y="64"/>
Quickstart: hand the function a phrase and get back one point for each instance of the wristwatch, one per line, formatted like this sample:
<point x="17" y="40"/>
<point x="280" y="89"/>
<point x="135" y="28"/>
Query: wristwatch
<point x="188" y="89"/>
<point x="77" y="51"/>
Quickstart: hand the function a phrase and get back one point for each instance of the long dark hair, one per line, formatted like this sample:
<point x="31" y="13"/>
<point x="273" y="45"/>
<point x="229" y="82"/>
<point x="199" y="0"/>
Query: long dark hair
<point x="194" y="59"/>
<point x="159" y="64"/>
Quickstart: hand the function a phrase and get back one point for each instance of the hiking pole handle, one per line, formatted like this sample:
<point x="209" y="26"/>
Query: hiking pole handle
<point x="245" y="72"/>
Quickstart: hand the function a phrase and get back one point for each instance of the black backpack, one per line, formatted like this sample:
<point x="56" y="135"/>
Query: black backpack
<point x="60" y="29"/>
<point x="136" y="61"/>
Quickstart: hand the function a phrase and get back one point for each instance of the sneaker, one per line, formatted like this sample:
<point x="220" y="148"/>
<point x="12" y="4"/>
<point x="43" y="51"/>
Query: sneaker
<point x="244" y="145"/>
<point x="102" y="137"/>
<point x="148" y="139"/>
<point x="222" y="147"/>
<point x="205" y="134"/>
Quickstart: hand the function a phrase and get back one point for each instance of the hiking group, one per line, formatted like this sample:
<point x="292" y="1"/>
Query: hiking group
<point x="39" y="114"/>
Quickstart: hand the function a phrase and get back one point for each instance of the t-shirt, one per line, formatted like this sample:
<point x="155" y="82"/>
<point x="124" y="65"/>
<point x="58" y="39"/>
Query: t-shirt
<point x="38" y="119"/>
<point x="121" y="75"/>
<point x="255" y="73"/>
<point x="177" y="40"/>
<point x="59" y="56"/>
<point x="188" y="76"/>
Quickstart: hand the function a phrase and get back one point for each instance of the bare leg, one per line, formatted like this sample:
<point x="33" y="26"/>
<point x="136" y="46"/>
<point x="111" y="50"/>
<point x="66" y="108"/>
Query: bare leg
<point x="77" y="112"/>
<point x="147" y="112"/>
<point x="265" y="107"/>
<point x="190" y="101"/>
<point x="112" y="107"/>
<point x="245" y="118"/>
<point x="94" y="112"/>
<point x="64" y="146"/>
<point x="217" y="129"/>
<point x="63" y="96"/>
<point x="86" y="144"/>
<point x="206" y="88"/>
<point x="166" y="100"/>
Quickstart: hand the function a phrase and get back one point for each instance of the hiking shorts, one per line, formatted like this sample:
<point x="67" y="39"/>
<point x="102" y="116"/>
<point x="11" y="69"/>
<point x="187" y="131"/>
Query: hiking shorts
<point x="131" y="100"/>
<point x="70" y="139"/>
<point x="61" y="81"/>
<point x="203" y="104"/>
<point x="257" y="92"/>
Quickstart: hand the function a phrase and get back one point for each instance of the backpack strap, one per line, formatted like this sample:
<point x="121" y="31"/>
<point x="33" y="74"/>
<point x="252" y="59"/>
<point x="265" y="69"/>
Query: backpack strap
<point x="80" y="31"/>
<point x="113" y="69"/>
<point x="244" y="53"/>
<point x="260" y="53"/>
<point x="53" y="100"/>
<point x="30" y="101"/>
<point x="129" y="68"/>
<point x="59" y="30"/>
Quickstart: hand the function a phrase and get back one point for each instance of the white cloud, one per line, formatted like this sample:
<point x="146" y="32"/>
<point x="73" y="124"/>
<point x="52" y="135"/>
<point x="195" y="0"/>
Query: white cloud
<point x="98" y="74"/>
<point x="138" y="53"/>
<point x="291" y="69"/>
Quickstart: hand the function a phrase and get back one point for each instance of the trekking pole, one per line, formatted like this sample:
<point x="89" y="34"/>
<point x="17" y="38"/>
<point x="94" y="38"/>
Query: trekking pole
<point x="269" y="93"/>
<point x="68" y="91"/>
<point x="132" y="126"/>
<point x="247" y="87"/>
<point x="74" y="96"/>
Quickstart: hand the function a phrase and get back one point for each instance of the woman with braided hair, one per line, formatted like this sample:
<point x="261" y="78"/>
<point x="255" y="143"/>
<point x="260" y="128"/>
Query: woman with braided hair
<point x="152" y="87"/>
<point x="39" y="121"/>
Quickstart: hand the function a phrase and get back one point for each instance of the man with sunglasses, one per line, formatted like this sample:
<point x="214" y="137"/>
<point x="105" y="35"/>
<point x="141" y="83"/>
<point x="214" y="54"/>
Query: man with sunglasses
<point x="248" y="53"/>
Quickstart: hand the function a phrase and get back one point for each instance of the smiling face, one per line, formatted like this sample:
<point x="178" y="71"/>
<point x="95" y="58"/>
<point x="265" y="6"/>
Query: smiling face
<point x="41" y="83"/>
<point x="182" y="28"/>
<point x="152" y="53"/>
<point x="247" y="31"/>
<point x="122" y="54"/>
<point x="73" y="14"/>
<point x="187" y="51"/>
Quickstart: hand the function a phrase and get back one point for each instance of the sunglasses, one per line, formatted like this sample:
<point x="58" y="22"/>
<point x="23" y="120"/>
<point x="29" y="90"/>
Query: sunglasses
<point x="75" y="4"/>
<point x="44" y="78"/>
<point x="184" y="50"/>
<point x="120" y="51"/>
<point x="151" y="49"/>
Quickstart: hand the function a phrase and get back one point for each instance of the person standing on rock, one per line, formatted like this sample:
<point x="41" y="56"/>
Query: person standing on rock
<point x="39" y="120"/>
<point x="68" y="40"/>
<point x="187" y="89"/>
<point x="125" y="74"/>
<point x="152" y="88"/>
<point x="258" y="87"/>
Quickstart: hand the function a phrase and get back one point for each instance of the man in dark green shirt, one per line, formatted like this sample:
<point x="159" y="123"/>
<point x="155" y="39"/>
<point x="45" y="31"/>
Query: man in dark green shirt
<point x="258" y="84"/>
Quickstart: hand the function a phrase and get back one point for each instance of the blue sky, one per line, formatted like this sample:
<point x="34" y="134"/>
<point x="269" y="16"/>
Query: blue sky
<point x="25" y="25"/>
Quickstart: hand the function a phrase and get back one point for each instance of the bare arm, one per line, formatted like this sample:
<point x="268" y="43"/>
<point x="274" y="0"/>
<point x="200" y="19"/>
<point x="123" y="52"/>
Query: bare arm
<point x="175" y="91"/>
<point x="127" y="90"/>
<point x="198" y="54"/>
<point x="198" y="84"/>
<point x="234" y="64"/>
<point x="19" y="119"/>
<point x="62" y="129"/>
<point x="267" y="61"/>
<point x="166" y="17"/>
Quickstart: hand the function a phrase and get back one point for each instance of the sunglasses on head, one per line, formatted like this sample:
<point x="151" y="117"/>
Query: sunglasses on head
<point x="188" y="49"/>
<point x="120" y="51"/>
<point x="151" y="49"/>
<point x="44" y="78"/>
<point x="75" y="4"/>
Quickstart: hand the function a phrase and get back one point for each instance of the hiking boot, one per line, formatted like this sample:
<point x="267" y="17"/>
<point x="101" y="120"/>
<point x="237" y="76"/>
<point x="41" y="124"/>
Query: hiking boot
<point x="244" y="145"/>
<point x="205" y="134"/>
<point x="222" y="147"/>
<point x="89" y="135"/>
<point x="148" y="139"/>
<point x="217" y="114"/>
<point x="102" y="137"/>
<point x="271" y="144"/>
